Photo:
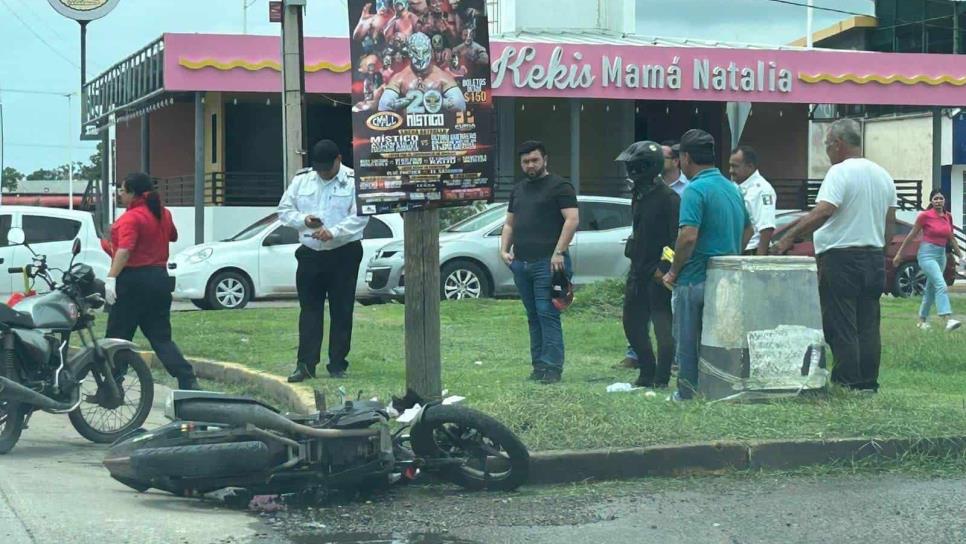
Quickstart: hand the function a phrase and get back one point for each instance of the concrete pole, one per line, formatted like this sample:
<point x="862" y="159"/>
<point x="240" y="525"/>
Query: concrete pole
<point x="809" y="18"/>
<point x="70" y="155"/>
<point x="199" y="168"/>
<point x="937" y="150"/>
<point x="292" y="88"/>
<point x="575" y="106"/>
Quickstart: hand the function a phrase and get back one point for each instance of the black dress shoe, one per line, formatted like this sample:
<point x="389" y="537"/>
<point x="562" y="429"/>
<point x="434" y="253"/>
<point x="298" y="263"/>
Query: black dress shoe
<point x="537" y="374"/>
<point x="337" y="374"/>
<point x="301" y="374"/>
<point x="550" y="376"/>
<point x="189" y="384"/>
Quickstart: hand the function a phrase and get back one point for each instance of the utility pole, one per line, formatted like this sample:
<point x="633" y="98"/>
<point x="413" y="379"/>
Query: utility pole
<point x="293" y="89"/>
<point x="809" y="18"/>
<point x="245" y="5"/>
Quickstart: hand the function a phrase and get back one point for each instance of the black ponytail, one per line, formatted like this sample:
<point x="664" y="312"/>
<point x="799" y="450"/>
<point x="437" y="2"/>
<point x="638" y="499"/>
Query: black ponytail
<point x="140" y="184"/>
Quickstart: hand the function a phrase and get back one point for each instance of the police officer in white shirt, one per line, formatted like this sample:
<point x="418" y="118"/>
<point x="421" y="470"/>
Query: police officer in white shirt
<point x="321" y="204"/>
<point x="759" y="197"/>
<point x="672" y="174"/>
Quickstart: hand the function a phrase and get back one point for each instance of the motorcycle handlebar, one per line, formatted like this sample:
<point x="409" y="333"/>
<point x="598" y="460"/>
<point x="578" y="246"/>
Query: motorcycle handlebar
<point x="15" y="270"/>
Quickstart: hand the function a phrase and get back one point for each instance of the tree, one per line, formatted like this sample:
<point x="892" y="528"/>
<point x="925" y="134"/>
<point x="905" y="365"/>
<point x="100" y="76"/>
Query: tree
<point x="11" y="178"/>
<point x="42" y="174"/>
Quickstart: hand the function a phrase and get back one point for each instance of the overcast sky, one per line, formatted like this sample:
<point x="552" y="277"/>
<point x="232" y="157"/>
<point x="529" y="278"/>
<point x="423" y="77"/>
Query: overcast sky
<point x="40" y="50"/>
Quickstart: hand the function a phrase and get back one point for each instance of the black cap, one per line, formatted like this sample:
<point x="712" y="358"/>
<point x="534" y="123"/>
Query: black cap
<point x="697" y="140"/>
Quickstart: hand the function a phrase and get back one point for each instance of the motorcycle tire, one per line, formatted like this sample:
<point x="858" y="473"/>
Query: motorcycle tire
<point x="125" y="359"/>
<point x="12" y="416"/>
<point x="434" y="435"/>
<point x="208" y="461"/>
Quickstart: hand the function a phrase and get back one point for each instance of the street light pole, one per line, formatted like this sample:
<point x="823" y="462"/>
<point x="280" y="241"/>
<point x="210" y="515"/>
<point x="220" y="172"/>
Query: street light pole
<point x="70" y="154"/>
<point x="809" y="17"/>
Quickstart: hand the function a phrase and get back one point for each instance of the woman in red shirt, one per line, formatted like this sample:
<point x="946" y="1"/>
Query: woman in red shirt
<point x="936" y="226"/>
<point x="138" y="287"/>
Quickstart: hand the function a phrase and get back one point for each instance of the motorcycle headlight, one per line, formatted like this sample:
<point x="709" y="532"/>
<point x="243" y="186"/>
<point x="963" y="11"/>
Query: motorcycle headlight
<point x="200" y="256"/>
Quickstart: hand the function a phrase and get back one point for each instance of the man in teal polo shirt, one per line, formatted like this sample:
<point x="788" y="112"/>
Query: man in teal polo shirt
<point x="713" y="222"/>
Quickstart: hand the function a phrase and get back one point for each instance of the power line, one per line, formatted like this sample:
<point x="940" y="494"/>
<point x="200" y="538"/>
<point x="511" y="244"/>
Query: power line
<point x="800" y="4"/>
<point x="34" y="91"/>
<point x="58" y="146"/>
<point x="38" y="36"/>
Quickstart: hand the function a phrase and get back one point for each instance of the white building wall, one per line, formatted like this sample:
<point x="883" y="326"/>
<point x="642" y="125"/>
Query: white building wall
<point x="901" y="145"/>
<point x="518" y="15"/>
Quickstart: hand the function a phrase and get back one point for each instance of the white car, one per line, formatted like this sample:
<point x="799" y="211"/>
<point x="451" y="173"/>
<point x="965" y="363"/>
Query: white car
<point x="469" y="253"/>
<point x="50" y="232"/>
<point x="259" y="262"/>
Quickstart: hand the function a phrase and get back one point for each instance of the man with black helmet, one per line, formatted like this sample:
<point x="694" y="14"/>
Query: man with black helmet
<point x="655" y="208"/>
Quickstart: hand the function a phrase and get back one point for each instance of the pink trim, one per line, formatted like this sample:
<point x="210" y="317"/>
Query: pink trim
<point x="584" y="78"/>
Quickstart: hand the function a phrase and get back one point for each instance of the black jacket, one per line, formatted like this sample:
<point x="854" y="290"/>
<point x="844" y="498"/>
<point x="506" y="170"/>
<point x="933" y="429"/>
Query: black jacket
<point x="655" y="212"/>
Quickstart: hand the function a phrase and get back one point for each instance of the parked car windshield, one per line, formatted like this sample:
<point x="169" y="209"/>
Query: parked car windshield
<point x="478" y="221"/>
<point x="251" y="230"/>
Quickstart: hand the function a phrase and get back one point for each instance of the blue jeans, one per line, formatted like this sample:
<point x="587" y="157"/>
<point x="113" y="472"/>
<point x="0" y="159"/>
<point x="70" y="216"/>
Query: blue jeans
<point x="932" y="261"/>
<point x="688" y="307"/>
<point x="533" y="280"/>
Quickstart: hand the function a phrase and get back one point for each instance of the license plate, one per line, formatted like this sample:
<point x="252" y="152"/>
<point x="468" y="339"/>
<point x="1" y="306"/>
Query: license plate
<point x="368" y="276"/>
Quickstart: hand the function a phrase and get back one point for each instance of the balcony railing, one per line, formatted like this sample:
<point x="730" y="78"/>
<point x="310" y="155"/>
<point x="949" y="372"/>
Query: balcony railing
<point x="224" y="189"/>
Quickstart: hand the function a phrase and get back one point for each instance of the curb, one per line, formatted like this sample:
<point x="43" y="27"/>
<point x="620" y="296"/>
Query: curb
<point x="573" y="466"/>
<point x="300" y="399"/>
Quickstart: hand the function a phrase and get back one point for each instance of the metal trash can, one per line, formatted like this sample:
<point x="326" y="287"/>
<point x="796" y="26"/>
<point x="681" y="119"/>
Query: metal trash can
<point x="762" y="329"/>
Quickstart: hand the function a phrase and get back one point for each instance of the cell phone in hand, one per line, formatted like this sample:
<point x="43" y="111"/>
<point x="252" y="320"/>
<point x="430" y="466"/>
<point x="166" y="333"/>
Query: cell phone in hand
<point x="314" y="223"/>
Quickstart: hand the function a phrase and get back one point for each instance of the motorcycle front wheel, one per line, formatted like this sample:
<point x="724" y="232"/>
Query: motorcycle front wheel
<point x="101" y="421"/>
<point x="493" y="457"/>
<point x="11" y="415"/>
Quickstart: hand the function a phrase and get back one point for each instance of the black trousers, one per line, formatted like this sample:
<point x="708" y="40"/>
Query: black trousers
<point x="144" y="300"/>
<point x="325" y="275"/>
<point x="850" y="283"/>
<point x="646" y="302"/>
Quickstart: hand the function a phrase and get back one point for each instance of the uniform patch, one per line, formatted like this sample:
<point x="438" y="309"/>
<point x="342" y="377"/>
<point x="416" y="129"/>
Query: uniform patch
<point x="767" y="200"/>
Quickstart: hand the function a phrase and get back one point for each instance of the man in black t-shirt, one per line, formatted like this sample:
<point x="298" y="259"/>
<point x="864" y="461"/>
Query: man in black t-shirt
<point x="540" y="223"/>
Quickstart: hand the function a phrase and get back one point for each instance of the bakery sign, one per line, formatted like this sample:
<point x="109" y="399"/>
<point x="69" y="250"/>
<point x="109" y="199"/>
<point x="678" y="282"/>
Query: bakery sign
<point x="83" y="10"/>
<point x="725" y="74"/>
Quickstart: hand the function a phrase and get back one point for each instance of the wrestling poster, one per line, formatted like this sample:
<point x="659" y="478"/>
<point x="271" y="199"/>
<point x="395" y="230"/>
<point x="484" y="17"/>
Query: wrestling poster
<point x="422" y="115"/>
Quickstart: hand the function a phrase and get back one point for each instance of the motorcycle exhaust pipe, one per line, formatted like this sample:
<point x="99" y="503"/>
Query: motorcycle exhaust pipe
<point x="14" y="392"/>
<point x="242" y="414"/>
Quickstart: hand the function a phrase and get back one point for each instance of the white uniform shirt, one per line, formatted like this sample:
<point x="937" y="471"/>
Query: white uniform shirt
<point x="332" y="201"/>
<point x="760" y="200"/>
<point x="679" y="185"/>
<point x="862" y="191"/>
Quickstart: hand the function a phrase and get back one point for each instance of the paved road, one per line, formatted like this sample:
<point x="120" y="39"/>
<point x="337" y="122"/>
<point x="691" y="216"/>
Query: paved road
<point x="53" y="489"/>
<point x="763" y="509"/>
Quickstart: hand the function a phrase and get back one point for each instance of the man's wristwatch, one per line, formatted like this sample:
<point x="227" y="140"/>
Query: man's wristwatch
<point x="558" y="253"/>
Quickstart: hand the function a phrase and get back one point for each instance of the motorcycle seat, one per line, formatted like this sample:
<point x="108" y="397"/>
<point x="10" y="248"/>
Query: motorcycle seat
<point x="14" y="318"/>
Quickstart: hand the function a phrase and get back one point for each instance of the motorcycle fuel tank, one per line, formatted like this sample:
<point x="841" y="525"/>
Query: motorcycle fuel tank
<point x="53" y="310"/>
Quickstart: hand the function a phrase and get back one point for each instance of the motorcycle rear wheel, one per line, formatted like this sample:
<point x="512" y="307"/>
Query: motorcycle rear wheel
<point x="94" y="421"/>
<point x="495" y="459"/>
<point x="12" y="416"/>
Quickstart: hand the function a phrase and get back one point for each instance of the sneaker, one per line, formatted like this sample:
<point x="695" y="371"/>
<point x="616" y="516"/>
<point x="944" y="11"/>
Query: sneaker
<point x="676" y="397"/>
<point x="952" y="325"/>
<point x="536" y="375"/>
<point x="923" y="326"/>
<point x="550" y="376"/>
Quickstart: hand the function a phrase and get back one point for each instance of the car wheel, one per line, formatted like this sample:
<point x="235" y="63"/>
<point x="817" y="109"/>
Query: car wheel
<point x="201" y="303"/>
<point x="909" y="281"/>
<point x="228" y="291"/>
<point x="463" y="279"/>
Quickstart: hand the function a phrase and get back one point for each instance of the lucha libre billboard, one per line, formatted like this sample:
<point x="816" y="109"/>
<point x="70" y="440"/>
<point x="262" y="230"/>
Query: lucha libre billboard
<point x="422" y="115"/>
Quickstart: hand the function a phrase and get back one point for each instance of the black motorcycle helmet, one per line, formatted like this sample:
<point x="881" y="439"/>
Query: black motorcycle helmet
<point x="643" y="161"/>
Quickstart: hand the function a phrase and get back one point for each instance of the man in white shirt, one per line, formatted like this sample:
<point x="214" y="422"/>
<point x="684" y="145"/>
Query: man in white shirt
<point x="673" y="176"/>
<point x="854" y="215"/>
<point x="759" y="197"/>
<point x="321" y="204"/>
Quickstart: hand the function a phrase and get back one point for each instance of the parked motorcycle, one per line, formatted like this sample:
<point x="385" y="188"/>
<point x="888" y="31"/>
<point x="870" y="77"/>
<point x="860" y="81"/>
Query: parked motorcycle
<point x="218" y="441"/>
<point x="105" y="388"/>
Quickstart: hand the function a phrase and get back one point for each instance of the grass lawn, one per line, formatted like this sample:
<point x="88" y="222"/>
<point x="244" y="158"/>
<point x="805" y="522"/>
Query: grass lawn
<point x="485" y="358"/>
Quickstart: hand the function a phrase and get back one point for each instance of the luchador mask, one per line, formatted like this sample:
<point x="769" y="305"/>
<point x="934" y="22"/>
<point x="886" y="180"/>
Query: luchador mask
<point x="420" y="51"/>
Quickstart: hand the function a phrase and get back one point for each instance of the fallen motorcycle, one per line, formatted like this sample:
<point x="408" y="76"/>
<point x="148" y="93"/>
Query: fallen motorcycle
<point x="217" y="441"/>
<point x="105" y="387"/>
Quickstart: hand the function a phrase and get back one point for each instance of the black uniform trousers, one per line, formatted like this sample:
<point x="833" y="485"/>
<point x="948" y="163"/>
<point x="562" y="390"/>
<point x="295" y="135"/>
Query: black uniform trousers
<point x="648" y="302"/>
<point x="329" y="274"/>
<point x="850" y="283"/>
<point x="144" y="300"/>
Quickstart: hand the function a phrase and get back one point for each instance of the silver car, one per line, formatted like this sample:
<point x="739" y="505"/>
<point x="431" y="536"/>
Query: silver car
<point x="469" y="253"/>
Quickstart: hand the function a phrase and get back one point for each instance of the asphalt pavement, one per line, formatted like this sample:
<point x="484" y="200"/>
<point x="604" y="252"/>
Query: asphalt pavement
<point x="53" y="489"/>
